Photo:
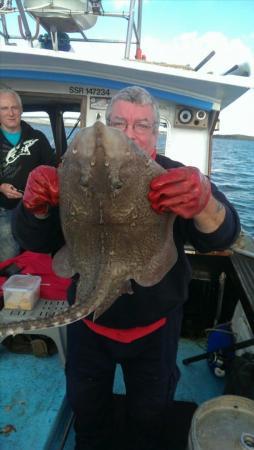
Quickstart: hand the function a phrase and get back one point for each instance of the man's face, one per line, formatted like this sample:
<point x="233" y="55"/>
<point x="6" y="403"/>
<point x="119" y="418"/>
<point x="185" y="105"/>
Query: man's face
<point x="10" y="112"/>
<point x="137" y="122"/>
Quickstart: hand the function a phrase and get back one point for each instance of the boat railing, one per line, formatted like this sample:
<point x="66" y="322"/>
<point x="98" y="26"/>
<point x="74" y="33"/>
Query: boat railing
<point x="59" y="21"/>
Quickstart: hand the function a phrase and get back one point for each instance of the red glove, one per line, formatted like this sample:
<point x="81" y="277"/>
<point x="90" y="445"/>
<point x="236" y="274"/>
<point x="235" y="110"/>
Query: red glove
<point x="184" y="191"/>
<point x="42" y="190"/>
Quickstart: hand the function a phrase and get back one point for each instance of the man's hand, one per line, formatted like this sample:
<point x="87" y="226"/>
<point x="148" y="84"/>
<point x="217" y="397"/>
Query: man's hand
<point x="184" y="191"/>
<point x="42" y="190"/>
<point x="10" y="191"/>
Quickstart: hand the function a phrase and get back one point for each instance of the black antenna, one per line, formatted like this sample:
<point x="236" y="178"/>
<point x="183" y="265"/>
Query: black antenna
<point x="243" y="70"/>
<point x="232" y="69"/>
<point x="204" y="61"/>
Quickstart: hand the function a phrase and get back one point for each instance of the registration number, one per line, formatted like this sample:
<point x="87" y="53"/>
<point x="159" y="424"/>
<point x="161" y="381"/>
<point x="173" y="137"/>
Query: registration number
<point x="89" y="91"/>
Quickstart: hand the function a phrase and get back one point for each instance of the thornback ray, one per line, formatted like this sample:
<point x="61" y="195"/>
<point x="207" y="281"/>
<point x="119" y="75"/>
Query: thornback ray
<point x="112" y="234"/>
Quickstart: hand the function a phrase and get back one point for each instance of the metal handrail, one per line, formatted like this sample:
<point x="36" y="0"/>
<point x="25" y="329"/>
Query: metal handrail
<point x="133" y="27"/>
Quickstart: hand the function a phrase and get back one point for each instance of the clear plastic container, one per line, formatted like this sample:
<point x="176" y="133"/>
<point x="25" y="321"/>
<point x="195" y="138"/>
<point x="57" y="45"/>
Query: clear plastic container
<point x="21" y="291"/>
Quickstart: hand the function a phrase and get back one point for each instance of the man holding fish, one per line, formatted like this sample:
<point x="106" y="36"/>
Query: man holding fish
<point x="141" y="329"/>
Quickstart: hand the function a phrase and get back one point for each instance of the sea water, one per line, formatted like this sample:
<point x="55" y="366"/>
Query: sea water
<point x="233" y="173"/>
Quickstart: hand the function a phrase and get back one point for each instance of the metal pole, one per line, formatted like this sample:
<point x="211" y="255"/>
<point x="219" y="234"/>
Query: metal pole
<point x="24" y="20"/>
<point x="204" y="61"/>
<point x="222" y="279"/>
<point x="129" y="30"/>
<point x="5" y="33"/>
<point x="139" y="23"/>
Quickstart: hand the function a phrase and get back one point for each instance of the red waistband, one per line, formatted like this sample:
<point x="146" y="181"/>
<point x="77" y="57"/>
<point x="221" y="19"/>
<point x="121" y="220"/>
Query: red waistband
<point x="125" y="335"/>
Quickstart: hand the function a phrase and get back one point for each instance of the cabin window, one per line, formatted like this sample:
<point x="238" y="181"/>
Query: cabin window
<point x="71" y="124"/>
<point x="39" y="120"/>
<point x="164" y="130"/>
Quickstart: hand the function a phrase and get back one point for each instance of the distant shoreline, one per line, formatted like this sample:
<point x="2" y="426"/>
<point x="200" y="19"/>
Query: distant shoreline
<point x="70" y="121"/>
<point x="242" y="137"/>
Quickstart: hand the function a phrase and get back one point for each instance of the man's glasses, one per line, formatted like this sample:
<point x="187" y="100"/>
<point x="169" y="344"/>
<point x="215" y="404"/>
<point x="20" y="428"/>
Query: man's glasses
<point x="139" y="127"/>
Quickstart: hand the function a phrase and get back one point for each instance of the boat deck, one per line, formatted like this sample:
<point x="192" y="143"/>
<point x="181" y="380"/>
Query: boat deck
<point x="33" y="405"/>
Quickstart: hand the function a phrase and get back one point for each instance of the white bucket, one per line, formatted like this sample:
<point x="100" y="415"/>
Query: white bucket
<point x="223" y="423"/>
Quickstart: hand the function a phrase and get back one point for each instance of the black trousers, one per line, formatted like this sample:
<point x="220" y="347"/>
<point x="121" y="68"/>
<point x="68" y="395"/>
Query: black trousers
<point x="150" y="376"/>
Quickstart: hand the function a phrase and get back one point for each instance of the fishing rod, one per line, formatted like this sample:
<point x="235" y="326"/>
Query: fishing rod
<point x="231" y="348"/>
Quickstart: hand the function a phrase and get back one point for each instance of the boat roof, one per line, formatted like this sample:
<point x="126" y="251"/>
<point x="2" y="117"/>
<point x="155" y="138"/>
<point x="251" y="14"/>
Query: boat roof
<point x="201" y="90"/>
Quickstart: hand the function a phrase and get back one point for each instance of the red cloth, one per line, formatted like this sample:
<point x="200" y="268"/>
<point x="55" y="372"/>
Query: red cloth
<point x="53" y="287"/>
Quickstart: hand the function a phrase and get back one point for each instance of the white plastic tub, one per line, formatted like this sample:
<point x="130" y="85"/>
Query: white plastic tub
<point x="21" y="291"/>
